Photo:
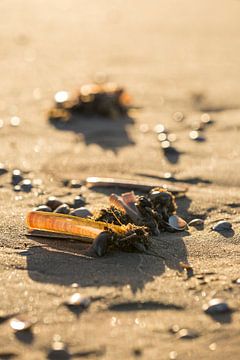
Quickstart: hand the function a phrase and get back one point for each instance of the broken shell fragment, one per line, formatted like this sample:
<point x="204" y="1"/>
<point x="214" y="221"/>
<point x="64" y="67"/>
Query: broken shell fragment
<point x="222" y="226"/>
<point x="216" y="306"/>
<point x="177" y="223"/>
<point x="43" y="208"/>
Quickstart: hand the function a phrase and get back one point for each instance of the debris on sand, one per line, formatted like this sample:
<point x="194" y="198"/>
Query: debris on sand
<point x="222" y="226"/>
<point x="108" y="100"/>
<point x="125" y="225"/>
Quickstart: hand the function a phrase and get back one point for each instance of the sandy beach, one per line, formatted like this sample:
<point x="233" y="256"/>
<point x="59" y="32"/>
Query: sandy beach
<point x="171" y="56"/>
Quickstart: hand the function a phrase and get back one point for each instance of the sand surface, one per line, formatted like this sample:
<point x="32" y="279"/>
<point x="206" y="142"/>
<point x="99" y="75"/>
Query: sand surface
<point x="171" y="56"/>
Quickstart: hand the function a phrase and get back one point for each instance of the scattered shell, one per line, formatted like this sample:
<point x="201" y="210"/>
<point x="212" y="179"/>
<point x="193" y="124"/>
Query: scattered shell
<point x="81" y="212"/>
<point x="196" y="222"/>
<point x="77" y="299"/>
<point x="177" y="223"/>
<point x="61" y="97"/>
<point x="162" y="137"/>
<point x="159" y="128"/>
<point x="15" y="121"/>
<point x="53" y="202"/>
<point x="100" y="244"/>
<point x="166" y="145"/>
<point x="174" y="329"/>
<point x="62" y="209"/>
<point x="222" y="226"/>
<point x="178" y="116"/>
<point x="194" y="135"/>
<point x="17" y="188"/>
<point x="173" y="355"/>
<point x="75" y="184"/>
<point x="16" y="176"/>
<point x="78" y="202"/>
<point x="3" y="169"/>
<point x="20" y="323"/>
<point x="236" y="281"/>
<point x="58" y="351"/>
<point x="43" y="208"/>
<point x="216" y="306"/>
<point x="26" y="185"/>
<point x="206" y="119"/>
<point x="187" y="334"/>
<point x="172" y="137"/>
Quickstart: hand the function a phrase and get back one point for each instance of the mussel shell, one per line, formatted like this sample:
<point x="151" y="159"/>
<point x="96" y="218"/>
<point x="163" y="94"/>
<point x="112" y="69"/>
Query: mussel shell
<point x="101" y="242"/>
<point x="177" y="223"/>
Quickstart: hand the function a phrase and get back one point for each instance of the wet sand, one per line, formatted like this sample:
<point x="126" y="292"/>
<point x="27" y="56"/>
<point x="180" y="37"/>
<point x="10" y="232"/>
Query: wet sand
<point x="171" y="57"/>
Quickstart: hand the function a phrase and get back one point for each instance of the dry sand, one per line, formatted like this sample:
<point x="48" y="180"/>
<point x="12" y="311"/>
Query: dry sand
<point x="167" y="53"/>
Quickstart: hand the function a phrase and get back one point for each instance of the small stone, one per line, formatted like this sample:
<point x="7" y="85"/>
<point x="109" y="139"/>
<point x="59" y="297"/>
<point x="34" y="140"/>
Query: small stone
<point x="44" y="208"/>
<point x="53" y="202"/>
<point x="216" y="306"/>
<point x="3" y="169"/>
<point x="178" y="116"/>
<point x="62" y="209"/>
<point x="81" y="212"/>
<point x="75" y="184"/>
<point x="78" y="202"/>
<point x="187" y="334"/>
<point x="16" y="176"/>
<point x="222" y="226"/>
<point x="174" y="329"/>
<point x="26" y="185"/>
<point x="162" y="137"/>
<point x="15" y="121"/>
<point x="213" y="346"/>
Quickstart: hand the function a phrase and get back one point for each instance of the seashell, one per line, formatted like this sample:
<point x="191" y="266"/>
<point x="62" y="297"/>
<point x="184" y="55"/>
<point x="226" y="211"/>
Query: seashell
<point x="20" y="323"/>
<point x="216" y="306"/>
<point x="100" y="244"/>
<point x="77" y="299"/>
<point x="222" y="226"/>
<point x="26" y="185"/>
<point x="177" y="223"/>
<point x="126" y="203"/>
<point x="16" y="177"/>
<point x="187" y="334"/>
<point x="78" y="202"/>
<point x="81" y="212"/>
<point x="53" y="202"/>
<point x="62" y="209"/>
<point x="196" y="223"/>
<point x="43" y="208"/>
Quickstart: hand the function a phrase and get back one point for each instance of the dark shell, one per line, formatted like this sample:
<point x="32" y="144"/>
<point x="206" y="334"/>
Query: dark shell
<point x="62" y="209"/>
<point x="101" y="242"/>
<point x="53" y="202"/>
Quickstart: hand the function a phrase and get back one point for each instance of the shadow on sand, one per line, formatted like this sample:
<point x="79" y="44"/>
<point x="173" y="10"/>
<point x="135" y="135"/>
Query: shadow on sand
<point x="65" y="262"/>
<point x="107" y="133"/>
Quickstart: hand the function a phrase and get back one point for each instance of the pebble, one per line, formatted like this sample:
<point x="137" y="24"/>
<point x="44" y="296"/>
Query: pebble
<point x="3" y="169"/>
<point x="78" y="202"/>
<point x="222" y="226"/>
<point x="26" y="185"/>
<point x="44" y="208"/>
<point x="178" y="116"/>
<point x="62" y="209"/>
<point x="53" y="202"/>
<point x="16" y="176"/>
<point x="75" y="184"/>
<point x="216" y="306"/>
<point x="81" y="212"/>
